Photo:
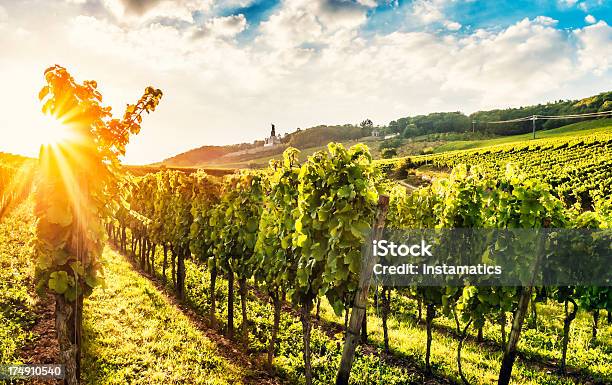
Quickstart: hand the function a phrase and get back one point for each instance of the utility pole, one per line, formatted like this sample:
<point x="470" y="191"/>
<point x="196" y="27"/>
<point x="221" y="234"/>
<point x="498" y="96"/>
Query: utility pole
<point x="533" y="119"/>
<point x="473" y="125"/>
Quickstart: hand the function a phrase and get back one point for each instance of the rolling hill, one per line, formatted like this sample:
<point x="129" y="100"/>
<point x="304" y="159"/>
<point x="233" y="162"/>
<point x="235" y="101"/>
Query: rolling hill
<point x="435" y="132"/>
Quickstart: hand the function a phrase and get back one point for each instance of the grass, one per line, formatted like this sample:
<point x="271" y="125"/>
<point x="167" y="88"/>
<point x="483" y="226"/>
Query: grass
<point x="16" y="271"/>
<point x="576" y="129"/>
<point x="288" y="363"/>
<point x="480" y="362"/>
<point x="540" y="350"/>
<point x="134" y="335"/>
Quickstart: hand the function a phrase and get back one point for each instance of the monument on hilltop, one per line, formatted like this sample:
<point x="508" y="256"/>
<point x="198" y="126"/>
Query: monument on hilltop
<point x="273" y="139"/>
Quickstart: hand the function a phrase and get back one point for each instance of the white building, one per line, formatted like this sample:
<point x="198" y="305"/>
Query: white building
<point x="273" y="139"/>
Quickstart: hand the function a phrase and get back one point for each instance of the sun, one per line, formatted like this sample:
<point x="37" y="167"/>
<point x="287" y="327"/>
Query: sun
<point x="55" y="132"/>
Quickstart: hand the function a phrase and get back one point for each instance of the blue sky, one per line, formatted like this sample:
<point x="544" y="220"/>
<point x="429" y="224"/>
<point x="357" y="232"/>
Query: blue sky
<point x="229" y="68"/>
<point x="390" y="15"/>
<point x="500" y="13"/>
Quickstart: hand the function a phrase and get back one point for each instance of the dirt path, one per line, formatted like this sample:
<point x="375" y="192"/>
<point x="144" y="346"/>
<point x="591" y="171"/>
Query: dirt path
<point x="43" y="347"/>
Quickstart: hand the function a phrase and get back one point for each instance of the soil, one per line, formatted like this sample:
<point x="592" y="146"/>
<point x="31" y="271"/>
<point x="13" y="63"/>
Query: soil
<point x="43" y="348"/>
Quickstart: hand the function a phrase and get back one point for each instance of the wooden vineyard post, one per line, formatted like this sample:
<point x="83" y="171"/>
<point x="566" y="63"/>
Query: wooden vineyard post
<point x="509" y="357"/>
<point x="69" y="313"/>
<point x="361" y="297"/>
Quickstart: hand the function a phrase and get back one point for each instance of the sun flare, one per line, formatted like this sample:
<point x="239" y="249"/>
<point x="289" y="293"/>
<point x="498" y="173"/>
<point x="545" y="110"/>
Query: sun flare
<point x="55" y="132"/>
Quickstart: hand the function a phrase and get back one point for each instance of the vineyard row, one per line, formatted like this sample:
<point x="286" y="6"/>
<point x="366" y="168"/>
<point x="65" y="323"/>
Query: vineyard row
<point x="298" y="229"/>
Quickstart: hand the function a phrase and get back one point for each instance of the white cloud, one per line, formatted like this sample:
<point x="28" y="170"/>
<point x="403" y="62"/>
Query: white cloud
<point x="318" y="22"/>
<point x="142" y="11"/>
<point x="228" y="25"/>
<point x="590" y="19"/>
<point x="545" y="21"/>
<point x="233" y="3"/>
<point x="223" y="27"/>
<point x="528" y="57"/>
<point x="368" y="3"/>
<point x="567" y="3"/>
<point x="3" y="14"/>
<point x="583" y="6"/>
<point x="338" y="14"/>
<point x="428" y="11"/>
<point x="290" y="27"/>
<point x="452" y="25"/>
<point x="595" y="47"/>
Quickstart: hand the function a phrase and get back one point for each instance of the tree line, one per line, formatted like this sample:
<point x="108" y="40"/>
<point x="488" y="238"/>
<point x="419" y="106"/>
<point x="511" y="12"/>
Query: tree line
<point x="441" y="122"/>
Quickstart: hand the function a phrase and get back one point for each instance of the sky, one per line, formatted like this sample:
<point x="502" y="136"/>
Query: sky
<point x="230" y="68"/>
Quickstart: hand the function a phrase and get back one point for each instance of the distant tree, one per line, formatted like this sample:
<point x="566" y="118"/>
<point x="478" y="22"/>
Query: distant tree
<point x="436" y="122"/>
<point x="389" y="153"/>
<point x="321" y="135"/>
<point x="367" y="124"/>
<point x="596" y="103"/>
<point x="410" y="131"/>
<point x="391" y="143"/>
<point x="394" y="127"/>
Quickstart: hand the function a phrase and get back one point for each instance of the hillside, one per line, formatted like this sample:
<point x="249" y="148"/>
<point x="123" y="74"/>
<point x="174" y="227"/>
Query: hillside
<point x="574" y="160"/>
<point x="426" y="144"/>
<point x="435" y="132"/>
<point x="245" y="152"/>
<point x="200" y="155"/>
<point x="580" y="128"/>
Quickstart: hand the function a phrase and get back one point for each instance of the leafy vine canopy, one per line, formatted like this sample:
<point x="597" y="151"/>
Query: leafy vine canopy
<point x="77" y="178"/>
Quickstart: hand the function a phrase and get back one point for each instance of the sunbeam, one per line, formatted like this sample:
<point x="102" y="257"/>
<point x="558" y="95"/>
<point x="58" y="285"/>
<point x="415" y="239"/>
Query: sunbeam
<point x="56" y="131"/>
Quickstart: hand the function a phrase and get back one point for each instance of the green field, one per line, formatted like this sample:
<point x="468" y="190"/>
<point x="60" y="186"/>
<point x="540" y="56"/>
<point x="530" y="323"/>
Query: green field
<point x="576" y="129"/>
<point x="574" y="160"/>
